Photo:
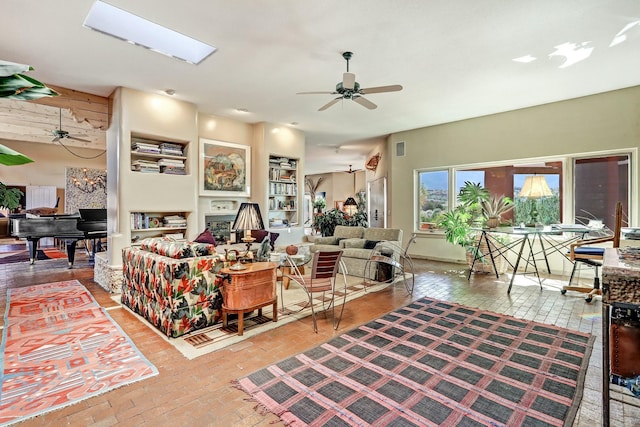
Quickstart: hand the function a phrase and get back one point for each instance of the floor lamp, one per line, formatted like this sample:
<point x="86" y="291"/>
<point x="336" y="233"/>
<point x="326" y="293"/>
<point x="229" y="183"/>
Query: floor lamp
<point x="535" y="187"/>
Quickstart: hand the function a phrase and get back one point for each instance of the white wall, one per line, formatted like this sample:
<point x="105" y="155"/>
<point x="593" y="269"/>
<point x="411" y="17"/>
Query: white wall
<point x="600" y="122"/>
<point x="50" y="163"/>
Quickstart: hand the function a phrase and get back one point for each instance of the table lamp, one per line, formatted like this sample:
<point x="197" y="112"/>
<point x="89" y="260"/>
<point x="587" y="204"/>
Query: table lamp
<point x="248" y="218"/>
<point x="535" y="187"/>
<point x="350" y="206"/>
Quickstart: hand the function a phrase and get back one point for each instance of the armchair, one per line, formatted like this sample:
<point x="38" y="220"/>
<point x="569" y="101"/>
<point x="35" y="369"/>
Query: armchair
<point x="582" y="252"/>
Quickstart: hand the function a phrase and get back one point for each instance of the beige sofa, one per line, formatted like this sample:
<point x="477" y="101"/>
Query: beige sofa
<point x="356" y="244"/>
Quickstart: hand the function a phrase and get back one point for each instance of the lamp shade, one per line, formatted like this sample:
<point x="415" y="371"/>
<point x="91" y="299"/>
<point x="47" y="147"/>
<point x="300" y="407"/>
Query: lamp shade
<point x="350" y="202"/>
<point x="248" y="217"/>
<point x="535" y="187"/>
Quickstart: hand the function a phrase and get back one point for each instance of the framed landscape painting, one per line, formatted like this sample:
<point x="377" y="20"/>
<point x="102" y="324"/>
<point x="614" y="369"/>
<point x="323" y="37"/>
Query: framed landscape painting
<point x="225" y="169"/>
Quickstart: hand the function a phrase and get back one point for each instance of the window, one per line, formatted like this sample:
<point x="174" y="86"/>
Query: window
<point x="508" y="180"/>
<point x="433" y="195"/>
<point x="597" y="183"/>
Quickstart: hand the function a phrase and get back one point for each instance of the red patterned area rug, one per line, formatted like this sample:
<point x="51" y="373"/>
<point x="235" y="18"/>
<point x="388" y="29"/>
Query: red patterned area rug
<point x="23" y="255"/>
<point x="60" y="347"/>
<point x="431" y="363"/>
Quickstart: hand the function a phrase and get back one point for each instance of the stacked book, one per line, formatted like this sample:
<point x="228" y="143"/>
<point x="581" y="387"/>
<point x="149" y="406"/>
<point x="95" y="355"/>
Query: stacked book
<point x="145" y="166"/>
<point x="171" y="148"/>
<point x="172" y="166"/>
<point x="174" y="221"/>
<point x="140" y="145"/>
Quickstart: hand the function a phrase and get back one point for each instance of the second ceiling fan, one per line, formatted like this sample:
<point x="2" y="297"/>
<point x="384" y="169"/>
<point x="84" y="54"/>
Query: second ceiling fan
<point x="349" y="88"/>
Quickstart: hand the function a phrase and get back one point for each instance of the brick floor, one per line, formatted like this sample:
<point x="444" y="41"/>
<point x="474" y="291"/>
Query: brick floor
<point x="200" y="391"/>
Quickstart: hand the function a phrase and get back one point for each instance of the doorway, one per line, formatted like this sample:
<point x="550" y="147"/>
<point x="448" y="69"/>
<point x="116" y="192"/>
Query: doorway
<point x="377" y="202"/>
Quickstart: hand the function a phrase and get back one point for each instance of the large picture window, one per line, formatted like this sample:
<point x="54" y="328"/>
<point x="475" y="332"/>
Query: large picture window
<point x="433" y="196"/>
<point x="537" y="189"/>
<point x="599" y="183"/>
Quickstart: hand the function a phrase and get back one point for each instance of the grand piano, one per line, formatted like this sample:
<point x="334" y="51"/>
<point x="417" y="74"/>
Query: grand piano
<point x="90" y="225"/>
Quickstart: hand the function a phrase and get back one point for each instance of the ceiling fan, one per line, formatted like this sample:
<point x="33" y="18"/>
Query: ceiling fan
<point x="59" y="134"/>
<point x="349" y="88"/>
<point x="351" y="170"/>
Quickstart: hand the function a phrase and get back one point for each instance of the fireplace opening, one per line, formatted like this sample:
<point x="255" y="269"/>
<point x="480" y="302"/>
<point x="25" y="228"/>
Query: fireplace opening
<point x="220" y="226"/>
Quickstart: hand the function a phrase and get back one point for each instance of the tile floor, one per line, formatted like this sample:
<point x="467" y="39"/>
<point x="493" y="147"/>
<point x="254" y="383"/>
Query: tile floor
<point x="200" y="392"/>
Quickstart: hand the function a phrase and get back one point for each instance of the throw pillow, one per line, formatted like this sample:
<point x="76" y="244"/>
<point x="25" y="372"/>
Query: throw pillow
<point x="370" y="244"/>
<point x="259" y="235"/>
<point x="206" y="237"/>
<point x="272" y="238"/>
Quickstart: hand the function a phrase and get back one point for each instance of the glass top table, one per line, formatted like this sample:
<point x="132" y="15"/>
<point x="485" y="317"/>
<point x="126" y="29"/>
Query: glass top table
<point x="525" y="237"/>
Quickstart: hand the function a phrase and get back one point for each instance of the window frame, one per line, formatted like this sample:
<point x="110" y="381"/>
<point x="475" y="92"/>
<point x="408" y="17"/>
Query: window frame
<point x="567" y="192"/>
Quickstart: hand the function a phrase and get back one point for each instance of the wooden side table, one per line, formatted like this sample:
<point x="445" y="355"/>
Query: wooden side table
<point x="246" y="290"/>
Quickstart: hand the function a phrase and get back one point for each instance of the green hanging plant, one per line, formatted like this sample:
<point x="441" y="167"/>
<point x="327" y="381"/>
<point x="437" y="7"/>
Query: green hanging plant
<point x="16" y="85"/>
<point x="9" y="197"/>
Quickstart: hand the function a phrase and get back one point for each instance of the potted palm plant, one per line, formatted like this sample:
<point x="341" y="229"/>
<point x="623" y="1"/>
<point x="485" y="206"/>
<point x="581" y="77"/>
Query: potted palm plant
<point x="493" y="209"/>
<point x="475" y="206"/>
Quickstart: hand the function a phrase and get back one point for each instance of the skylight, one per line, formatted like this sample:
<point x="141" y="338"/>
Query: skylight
<point x="128" y="27"/>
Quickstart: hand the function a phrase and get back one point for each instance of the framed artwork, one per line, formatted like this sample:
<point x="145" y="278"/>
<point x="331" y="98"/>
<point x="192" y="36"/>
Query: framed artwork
<point x="225" y="169"/>
<point x="339" y="204"/>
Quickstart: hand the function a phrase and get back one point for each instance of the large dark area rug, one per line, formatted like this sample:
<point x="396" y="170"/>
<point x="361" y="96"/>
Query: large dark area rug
<point x="431" y="363"/>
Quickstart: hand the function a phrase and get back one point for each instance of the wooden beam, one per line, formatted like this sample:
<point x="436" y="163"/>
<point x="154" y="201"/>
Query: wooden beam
<point x="93" y="109"/>
<point x="34" y="122"/>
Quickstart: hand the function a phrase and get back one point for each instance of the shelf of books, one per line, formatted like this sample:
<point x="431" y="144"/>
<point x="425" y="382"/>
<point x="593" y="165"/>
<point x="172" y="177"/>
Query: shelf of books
<point x="155" y="156"/>
<point x="157" y="224"/>
<point x="283" y="192"/>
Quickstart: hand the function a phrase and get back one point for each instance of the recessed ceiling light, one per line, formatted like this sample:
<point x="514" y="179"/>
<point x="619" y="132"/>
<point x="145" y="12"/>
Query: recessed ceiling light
<point x="242" y="110"/>
<point x="128" y="27"/>
<point x="170" y="92"/>
<point x="294" y="123"/>
<point x="525" y="59"/>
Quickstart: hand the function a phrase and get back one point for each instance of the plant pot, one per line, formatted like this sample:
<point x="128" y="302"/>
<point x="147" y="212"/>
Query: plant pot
<point x="483" y="264"/>
<point x="493" y="222"/>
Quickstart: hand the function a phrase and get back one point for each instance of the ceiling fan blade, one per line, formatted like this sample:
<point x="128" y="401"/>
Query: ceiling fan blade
<point x="365" y="102"/>
<point x="348" y="80"/>
<point x="56" y="139"/>
<point x="329" y="104"/>
<point x="77" y="138"/>
<point x="316" y="93"/>
<point x="380" y="89"/>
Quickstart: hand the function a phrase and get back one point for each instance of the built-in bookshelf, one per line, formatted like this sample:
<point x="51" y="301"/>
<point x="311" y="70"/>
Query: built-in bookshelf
<point x="158" y="224"/>
<point x="156" y="156"/>
<point x="283" y="192"/>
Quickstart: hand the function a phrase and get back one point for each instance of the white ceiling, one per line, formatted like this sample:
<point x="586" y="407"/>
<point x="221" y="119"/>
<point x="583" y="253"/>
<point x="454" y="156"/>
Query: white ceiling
<point x="453" y="58"/>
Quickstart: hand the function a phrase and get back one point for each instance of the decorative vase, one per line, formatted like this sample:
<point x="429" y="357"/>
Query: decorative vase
<point x="291" y="249"/>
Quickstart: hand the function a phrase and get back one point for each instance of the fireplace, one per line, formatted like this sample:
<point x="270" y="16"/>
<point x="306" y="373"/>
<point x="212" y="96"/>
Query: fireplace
<point x="220" y="227"/>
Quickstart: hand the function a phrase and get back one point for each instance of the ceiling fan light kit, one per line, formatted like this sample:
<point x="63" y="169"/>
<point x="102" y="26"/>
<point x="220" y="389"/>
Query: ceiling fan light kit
<point x="349" y="88"/>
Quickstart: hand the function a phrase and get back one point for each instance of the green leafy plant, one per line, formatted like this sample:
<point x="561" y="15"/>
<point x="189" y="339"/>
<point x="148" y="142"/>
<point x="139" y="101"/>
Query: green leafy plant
<point x="494" y="208"/>
<point x="9" y="197"/>
<point x="320" y="203"/>
<point x="458" y="224"/>
<point x="16" y="85"/>
<point x="326" y="222"/>
<point x="358" y="219"/>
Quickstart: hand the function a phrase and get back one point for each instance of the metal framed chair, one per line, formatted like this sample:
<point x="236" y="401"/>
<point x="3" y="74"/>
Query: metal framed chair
<point x="582" y="252"/>
<point x="322" y="279"/>
<point x="387" y="255"/>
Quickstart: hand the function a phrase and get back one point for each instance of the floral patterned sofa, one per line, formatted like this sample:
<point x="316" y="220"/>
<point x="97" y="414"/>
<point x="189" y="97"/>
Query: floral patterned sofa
<point x="173" y="285"/>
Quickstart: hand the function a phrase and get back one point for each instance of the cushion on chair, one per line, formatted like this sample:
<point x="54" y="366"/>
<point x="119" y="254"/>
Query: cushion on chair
<point x="587" y="250"/>
<point x="370" y="244"/>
